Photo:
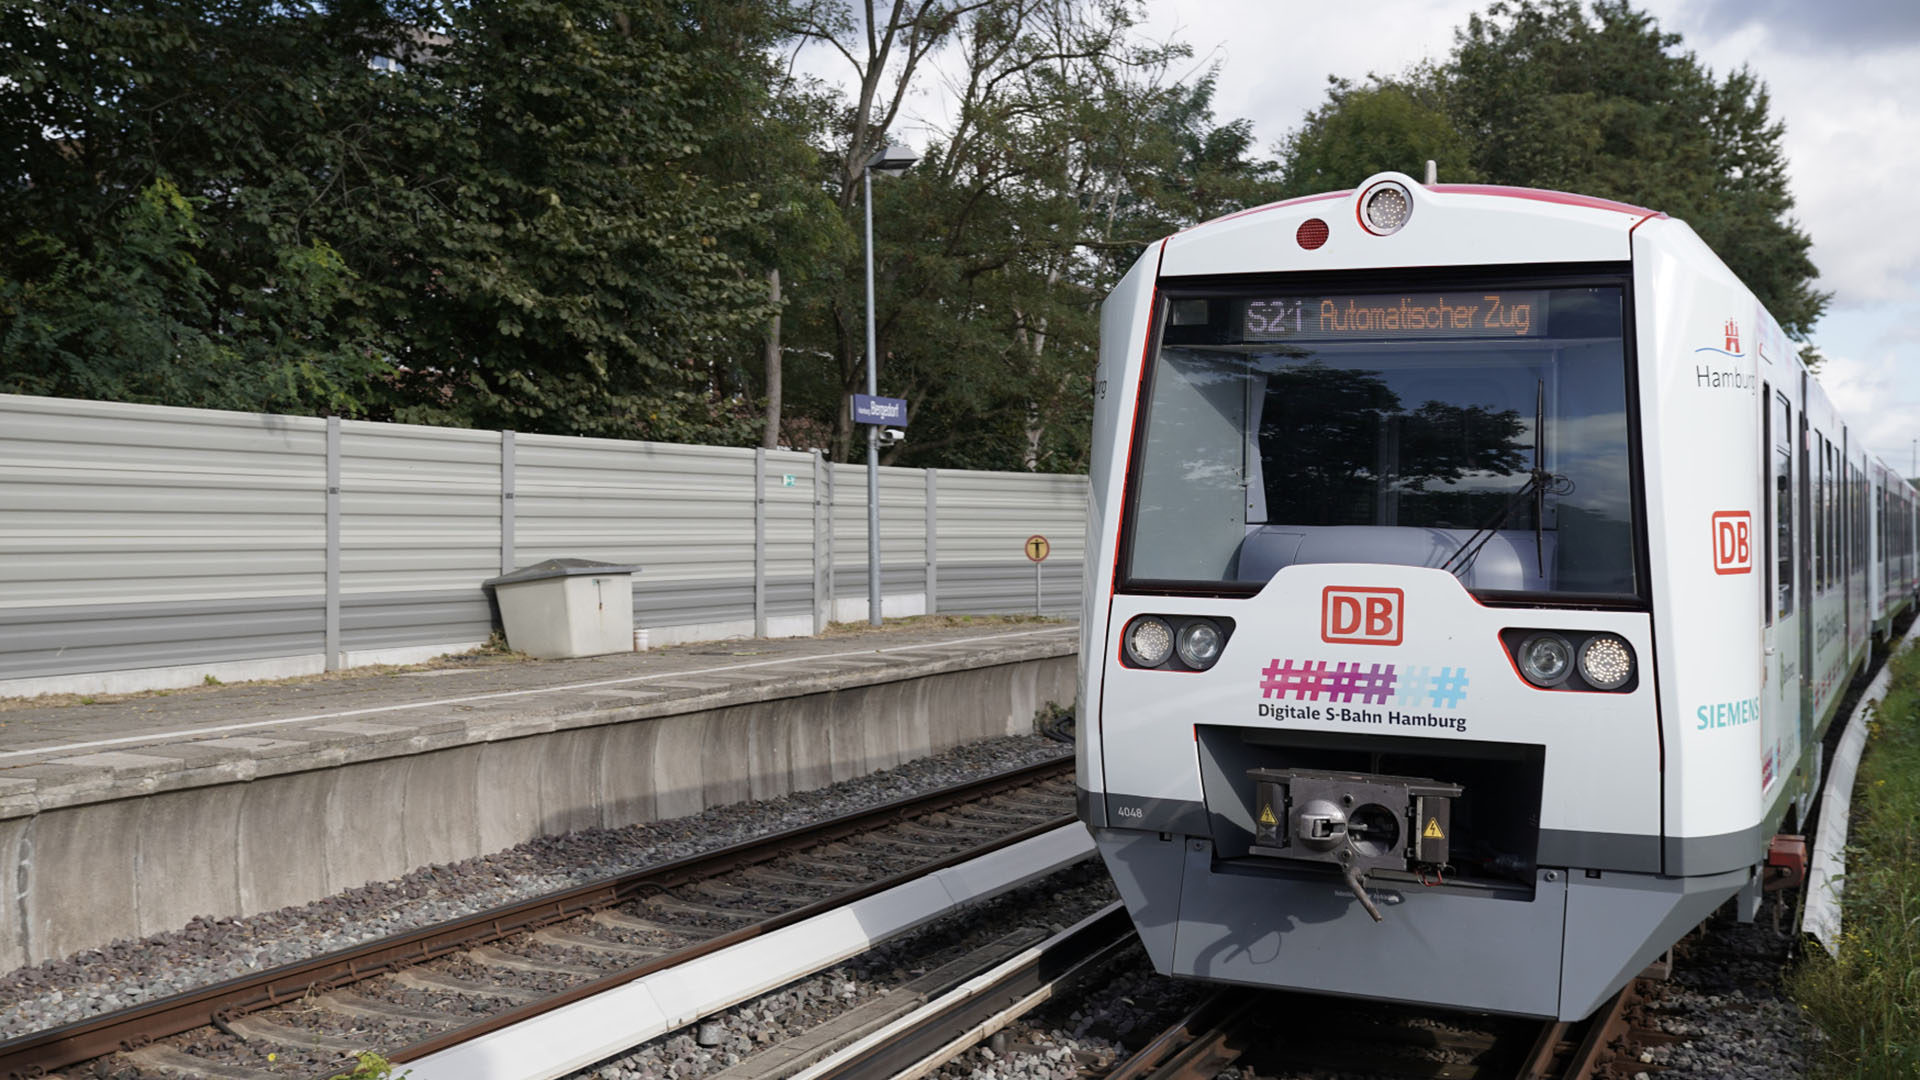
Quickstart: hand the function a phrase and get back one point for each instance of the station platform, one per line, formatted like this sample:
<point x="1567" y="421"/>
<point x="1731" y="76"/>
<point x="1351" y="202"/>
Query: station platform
<point x="126" y="817"/>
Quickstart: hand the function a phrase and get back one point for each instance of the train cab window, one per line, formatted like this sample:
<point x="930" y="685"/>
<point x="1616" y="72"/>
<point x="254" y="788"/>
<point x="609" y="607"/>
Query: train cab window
<point x="1482" y="430"/>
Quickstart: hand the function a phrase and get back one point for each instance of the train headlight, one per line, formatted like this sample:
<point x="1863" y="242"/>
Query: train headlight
<point x="1198" y="644"/>
<point x="1386" y="208"/>
<point x="1546" y="659"/>
<point x="1606" y="662"/>
<point x="1149" y="641"/>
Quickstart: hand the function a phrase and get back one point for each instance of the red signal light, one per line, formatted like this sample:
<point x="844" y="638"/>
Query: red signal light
<point x="1312" y="233"/>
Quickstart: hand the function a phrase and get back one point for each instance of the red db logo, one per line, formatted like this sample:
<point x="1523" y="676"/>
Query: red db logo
<point x="1361" y="616"/>
<point x="1733" y="542"/>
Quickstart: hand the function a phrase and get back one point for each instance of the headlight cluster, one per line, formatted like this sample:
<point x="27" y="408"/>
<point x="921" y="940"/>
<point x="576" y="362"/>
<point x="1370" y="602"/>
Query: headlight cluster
<point x="1572" y="659"/>
<point x="1174" y="642"/>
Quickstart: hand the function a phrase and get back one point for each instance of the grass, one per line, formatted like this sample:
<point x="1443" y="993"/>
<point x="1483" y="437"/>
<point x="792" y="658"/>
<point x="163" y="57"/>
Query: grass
<point x="369" y="1066"/>
<point x="1867" y="1001"/>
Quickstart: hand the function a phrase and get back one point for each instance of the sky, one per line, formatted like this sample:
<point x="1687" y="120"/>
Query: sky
<point x="1844" y="77"/>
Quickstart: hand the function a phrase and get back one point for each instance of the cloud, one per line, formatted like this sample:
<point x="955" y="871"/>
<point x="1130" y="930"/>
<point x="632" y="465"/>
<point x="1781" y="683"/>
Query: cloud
<point x="1848" y="25"/>
<point x="1881" y="407"/>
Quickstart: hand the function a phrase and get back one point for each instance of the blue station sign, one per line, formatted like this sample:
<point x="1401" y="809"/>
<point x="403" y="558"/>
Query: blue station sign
<point x="867" y="409"/>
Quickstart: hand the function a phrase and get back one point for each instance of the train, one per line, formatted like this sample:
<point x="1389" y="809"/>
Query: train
<point x="1472" y="574"/>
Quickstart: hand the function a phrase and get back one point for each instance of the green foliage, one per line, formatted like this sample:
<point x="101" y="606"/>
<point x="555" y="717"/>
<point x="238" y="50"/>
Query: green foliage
<point x="142" y="263"/>
<point x="1606" y="106"/>
<point x="1397" y="124"/>
<point x="1072" y="148"/>
<point x="371" y="1066"/>
<point x="560" y="215"/>
<point x="1867" y="1001"/>
<point x="224" y="204"/>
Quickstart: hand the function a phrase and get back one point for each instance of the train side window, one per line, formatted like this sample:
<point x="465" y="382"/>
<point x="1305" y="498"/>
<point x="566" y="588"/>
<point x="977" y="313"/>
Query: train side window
<point x="1818" y="512"/>
<point x="1783" y="509"/>
<point x="1766" y="504"/>
<point x="1827" y="553"/>
<point x="1844" y="467"/>
<point x="1826" y="514"/>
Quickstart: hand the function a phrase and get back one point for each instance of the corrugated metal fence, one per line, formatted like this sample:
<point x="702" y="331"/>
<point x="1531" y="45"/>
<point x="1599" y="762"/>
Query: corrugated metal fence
<point x="144" y="546"/>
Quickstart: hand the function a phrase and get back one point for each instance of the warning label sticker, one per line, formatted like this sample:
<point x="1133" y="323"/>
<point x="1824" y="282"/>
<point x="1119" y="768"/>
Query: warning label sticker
<point x="1433" y="830"/>
<point x="1266" y="816"/>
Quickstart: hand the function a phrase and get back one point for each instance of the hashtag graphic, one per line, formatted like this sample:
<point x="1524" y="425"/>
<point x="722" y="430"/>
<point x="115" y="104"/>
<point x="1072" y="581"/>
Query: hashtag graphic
<point x="1340" y="682"/>
<point x="1449" y="688"/>
<point x="1272" y="683"/>
<point x="1302" y="680"/>
<point x="1375" y="686"/>
<point x="1313" y="679"/>
<point x="1413" y="687"/>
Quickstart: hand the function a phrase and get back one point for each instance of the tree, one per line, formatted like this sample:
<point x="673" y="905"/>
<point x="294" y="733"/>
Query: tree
<point x="1549" y="97"/>
<point x="540" y="218"/>
<point x="1389" y="124"/>
<point x="552" y="244"/>
<point x="1069" y="150"/>
<point x="1541" y="93"/>
<point x="143" y="260"/>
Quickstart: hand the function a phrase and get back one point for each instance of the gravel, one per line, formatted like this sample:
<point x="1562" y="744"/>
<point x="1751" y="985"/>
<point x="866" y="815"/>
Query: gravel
<point x="1087" y="1033"/>
<point x="1726" y="997"/>
<point x="208" y="950"/>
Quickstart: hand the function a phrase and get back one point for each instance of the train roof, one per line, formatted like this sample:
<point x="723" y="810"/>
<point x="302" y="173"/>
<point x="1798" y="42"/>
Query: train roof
<point x="1447" y="224"/>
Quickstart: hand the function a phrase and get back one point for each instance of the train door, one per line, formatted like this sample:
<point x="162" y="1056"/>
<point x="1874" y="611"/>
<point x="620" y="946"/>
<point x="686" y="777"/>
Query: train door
<point x="1781" y="696"/>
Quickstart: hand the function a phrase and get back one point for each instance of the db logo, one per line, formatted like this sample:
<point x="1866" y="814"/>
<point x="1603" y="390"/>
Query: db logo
<point x="1361" y="616"/>
<point x="1733" y="542"/>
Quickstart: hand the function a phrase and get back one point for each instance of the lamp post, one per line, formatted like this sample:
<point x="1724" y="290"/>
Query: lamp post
<point x="894" y="160"/>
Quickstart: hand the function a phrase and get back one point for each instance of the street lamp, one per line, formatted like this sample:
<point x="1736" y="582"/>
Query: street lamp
<point x="894" y="160"/>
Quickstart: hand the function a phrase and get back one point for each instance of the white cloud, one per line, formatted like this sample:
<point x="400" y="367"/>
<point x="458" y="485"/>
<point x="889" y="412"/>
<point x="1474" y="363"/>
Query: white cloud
<point x="1881" y="405"/>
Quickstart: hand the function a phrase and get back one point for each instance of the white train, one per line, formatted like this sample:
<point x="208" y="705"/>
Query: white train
<point x="1472" y="573"/>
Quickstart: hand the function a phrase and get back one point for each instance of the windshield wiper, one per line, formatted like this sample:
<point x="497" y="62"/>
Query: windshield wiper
<point x="1539" y="482"/>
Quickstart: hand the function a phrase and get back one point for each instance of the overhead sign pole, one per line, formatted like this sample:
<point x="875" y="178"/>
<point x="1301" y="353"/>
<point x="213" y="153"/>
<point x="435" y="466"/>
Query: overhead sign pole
<point x="873" y="434"/>
<point x="887" y="159"/>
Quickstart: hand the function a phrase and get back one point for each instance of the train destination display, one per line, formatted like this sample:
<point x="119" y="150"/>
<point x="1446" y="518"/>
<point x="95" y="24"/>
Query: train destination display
<point x="1512" y="313"/>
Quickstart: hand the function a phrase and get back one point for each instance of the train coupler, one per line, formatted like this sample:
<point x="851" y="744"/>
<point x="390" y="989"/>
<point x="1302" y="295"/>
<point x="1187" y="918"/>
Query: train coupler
<point x="1355" y="822"/>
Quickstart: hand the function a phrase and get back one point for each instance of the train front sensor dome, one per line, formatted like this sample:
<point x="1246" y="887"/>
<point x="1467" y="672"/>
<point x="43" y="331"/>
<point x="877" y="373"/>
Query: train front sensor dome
<point x="1386" y="208"/>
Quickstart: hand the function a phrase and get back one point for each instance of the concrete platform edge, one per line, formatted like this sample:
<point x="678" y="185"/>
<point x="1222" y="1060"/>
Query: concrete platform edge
<point x="121" y="853"/>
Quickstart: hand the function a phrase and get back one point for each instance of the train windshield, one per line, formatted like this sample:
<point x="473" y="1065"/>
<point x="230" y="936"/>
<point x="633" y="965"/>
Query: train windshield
<point x="1484" y="431"/>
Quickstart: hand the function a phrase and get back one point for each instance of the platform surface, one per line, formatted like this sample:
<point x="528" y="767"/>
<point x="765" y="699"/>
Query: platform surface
<point x="71" y="753"/>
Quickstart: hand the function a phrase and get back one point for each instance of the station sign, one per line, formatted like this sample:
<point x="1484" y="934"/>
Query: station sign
<point x="868" y="409"/>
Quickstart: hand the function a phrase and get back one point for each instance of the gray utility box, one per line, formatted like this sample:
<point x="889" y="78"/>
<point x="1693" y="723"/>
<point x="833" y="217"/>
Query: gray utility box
<point x="567" y="607"/>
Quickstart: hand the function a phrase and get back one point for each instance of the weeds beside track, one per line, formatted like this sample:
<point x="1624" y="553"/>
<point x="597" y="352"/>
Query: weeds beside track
<point x="1866" y="1001"/>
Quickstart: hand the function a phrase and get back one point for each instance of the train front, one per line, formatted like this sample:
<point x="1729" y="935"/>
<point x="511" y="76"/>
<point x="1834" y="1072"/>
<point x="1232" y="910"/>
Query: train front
<point x="1368" y="695"/>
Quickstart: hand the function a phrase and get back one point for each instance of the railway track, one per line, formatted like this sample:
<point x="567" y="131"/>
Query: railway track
<point x="1268" y="1033"/>
<point x="917" y="1044"/>
<point x="418" y="993"/>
